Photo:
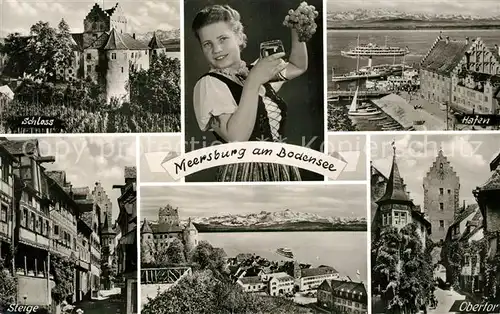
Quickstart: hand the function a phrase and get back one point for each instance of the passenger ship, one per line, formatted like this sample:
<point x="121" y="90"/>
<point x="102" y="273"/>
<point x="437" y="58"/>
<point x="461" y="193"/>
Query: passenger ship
<point x="372" y="50"/>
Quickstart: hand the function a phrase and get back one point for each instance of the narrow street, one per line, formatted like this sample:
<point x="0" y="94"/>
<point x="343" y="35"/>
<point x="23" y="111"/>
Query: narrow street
<point x="112" y="305"/>
<point x="446" y="298"/>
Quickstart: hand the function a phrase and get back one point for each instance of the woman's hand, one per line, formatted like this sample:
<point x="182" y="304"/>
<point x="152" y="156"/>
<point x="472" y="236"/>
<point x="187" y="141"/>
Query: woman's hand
<point x="267" y="68"/>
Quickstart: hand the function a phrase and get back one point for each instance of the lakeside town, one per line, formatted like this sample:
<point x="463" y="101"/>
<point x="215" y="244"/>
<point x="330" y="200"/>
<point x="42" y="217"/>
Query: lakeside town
<point x="65" y="247"/>
<point x="184" y="269"/>
<point x="102" y="78"/>
<point x="451" y="238"/>
<point x="405" y="79"/>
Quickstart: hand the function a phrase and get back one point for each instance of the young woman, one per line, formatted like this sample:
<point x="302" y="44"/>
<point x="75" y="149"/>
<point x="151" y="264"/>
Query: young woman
<point x="238" y="103"/>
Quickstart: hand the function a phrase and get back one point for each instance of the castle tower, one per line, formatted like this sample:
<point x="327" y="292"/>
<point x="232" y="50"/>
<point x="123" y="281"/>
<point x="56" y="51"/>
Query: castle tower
<point x="297" y="273"/>
<point x="117" y="69"/>
<point x="169" y="216"/>
<point x="101" y="197"/>
<point x="156" y="47"/>
<point x="99" y="21"/>
<point x="190" y="234"/>
<point x="441" y="196"/>
<point x="395" y="207"/>
<point x="147" y="242"/>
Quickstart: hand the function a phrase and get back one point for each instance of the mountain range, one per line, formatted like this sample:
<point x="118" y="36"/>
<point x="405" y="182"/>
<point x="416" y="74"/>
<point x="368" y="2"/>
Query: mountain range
<point x="278" y="221"/>
<point x="391" y="19"/>
<point x="382" y="14"/>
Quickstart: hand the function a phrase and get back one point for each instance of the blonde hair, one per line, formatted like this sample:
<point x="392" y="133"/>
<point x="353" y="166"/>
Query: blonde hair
<point x="220" y="13"/>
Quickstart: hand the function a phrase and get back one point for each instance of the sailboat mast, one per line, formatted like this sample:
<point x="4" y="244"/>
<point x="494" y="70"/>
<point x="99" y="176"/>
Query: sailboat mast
<point x="357" y="57"/>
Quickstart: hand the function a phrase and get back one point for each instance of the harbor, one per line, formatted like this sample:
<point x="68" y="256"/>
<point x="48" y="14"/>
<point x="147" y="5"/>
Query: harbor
<point x="405" y="87"/>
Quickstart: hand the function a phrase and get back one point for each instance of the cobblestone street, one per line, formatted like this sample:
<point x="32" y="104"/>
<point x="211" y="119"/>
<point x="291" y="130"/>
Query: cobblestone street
<point x="446" y="298"/>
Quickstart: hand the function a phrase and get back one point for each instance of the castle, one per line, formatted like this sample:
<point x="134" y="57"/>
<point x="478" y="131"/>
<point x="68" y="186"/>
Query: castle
<point x="157" y="235"/>
<point x="441" y="196"/>
<point x="106" y="53"/>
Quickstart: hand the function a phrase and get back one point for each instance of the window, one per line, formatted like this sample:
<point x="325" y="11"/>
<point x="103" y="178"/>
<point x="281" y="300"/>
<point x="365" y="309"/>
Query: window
<point x="40" y="225"/>
<point x="441" y="224"/>
<point x="56" y="230"/>
<point x="122" y="69"/>
<point x="5" y="171"/>
<point x="113" y="56"/>
<point x="89" y="56"/>
<point x="47" y="228"/>
<point x="449" y="191"/>
<point x="441" y="206"/>
<point x="89" y="68"/>
<point x="441" y="191"/>
<point x="33" y="222"/>
<point x="396" y="218"/>
<point x="441" y="165"/>
<point x="3" y="213"/>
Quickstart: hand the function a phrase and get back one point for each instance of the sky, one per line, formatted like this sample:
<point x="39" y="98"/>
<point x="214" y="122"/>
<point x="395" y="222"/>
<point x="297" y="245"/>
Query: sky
<point x="143" y="16"/>
<point x="88" y="160"/>
<point x="213" y="200"/>
<point x="166" y="144"/>
<point x="469" y="155"/>
<point x="468" y="7"/>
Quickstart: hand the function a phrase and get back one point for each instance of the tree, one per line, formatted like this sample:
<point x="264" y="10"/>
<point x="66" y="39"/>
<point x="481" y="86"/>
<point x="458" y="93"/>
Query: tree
<point x="41" y="54"/>
<point x="203" y="293"/>
<point x="208" y="257"/>
<point x="338" y="120"/>
<point x="8" y="286"/>
<point x="63" y="270"/>
<point x="175" y="252"/>
<point x="401" y="270"/>
<point x="158" y="88"/>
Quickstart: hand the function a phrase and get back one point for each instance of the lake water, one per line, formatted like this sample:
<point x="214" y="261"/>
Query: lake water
<point x="344" y="251"/>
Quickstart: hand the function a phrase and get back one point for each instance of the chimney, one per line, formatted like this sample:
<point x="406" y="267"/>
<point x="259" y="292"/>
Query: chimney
<point x="467" y="40"/>
<point x="447" y="39"/>
<point x="133" y="35"/>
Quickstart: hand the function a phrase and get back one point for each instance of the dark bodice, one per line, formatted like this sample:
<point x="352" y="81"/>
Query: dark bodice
<point x="262" y="127"/>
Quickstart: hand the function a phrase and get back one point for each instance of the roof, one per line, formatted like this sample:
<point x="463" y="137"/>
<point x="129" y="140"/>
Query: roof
<point x="130" y="173"/>
<point x="106" y="227"/>
<point x="25" y="147"/>
<point x="394" y="190"/>
<point x="165" y="228"/>
<point x="445" y="55"/>
<point x="155" y="42"/>
<point x="115" y="41"/>
<point x="250" y="280"/>
<point x="492" y="184"/>
<point x="310" y="272"/>
<point x="464" y="214"/>
<point x="58" y="176"/>
<point x="5" y="90"/>
<point x="145" y="227"/>
<point x="282" y="277"/>
<point x="344" y="286"/>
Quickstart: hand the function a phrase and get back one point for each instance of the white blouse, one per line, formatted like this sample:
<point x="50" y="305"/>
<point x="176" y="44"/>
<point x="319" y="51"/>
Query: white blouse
<point x="212" y="98"/>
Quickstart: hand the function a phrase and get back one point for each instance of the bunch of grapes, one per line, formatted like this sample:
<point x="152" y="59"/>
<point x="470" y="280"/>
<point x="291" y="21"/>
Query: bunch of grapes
<point x="302" y="20"/>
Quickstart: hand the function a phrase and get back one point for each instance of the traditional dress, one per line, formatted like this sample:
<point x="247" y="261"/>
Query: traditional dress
<point x="218" y="92"/>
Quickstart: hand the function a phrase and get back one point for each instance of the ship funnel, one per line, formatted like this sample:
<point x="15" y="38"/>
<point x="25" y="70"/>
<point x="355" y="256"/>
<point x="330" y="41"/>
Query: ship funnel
<point x="370" y="62"/>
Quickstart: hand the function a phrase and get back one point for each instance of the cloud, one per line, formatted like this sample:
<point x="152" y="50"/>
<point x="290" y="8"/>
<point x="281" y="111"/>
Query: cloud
<point x="23" y="9"/>
<point x="324" y="200"/>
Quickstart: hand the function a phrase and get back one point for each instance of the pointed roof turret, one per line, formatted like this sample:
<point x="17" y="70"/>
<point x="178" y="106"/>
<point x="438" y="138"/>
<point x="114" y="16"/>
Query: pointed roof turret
<point x="190" y="225"/>
<point x="146" y="228"/>
<point x="155" y="42"/>
<point x="106" y="227"/>
<point x="394" y="191"/>
<point x="115" y="41"/>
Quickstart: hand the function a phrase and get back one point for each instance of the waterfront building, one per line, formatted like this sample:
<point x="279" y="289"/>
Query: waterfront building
<point x="441" y="196"/>
<point x="311" y="278"/>
<point x="463" y="74"/>
<point x="127" y="247"/>
<point x="252" y="284"/>
<point x="396" y="209"/>
<point x="156" y="235"/>
<point x="343" y="296"/>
